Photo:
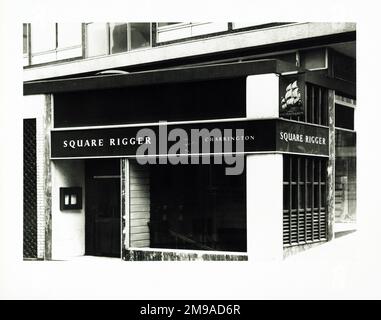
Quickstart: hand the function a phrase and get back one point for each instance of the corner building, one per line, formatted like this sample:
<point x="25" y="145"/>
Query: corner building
<point x="290" y="86"/>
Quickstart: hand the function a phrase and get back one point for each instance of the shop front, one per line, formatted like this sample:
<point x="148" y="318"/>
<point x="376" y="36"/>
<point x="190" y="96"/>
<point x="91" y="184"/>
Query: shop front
<point x="227" y="162"/>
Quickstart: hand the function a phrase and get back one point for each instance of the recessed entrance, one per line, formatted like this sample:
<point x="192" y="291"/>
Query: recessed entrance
<point x="102" y="216"/>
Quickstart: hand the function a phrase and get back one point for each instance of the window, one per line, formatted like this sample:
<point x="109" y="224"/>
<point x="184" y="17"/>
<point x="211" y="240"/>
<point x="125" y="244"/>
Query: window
<point x="96" y="39"/>
<point x="140" y="35"/>
<point x="345" y="177"/>
<point x="43" y="37"/>
<point x="26" y="52"/>
<point x="118" y="37"/>
<point x="191" y="207"/>
<point x="166" y="24"/>
<point x="344" y="112"/>
<point x="55" y="41"/>
<point x="25" y="38"/>
<point x="69" y="35"/>
<point x="169" y="31"/>
<point x="304" y="200"/>
<point x="111" y="38"/>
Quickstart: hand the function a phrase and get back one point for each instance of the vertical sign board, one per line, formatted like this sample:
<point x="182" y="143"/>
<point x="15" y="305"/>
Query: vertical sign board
<point x="291" y="95"/>
<point x="294" y="137"/>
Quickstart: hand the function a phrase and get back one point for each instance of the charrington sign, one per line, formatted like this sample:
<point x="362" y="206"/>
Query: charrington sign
<point x="240" y="136"/>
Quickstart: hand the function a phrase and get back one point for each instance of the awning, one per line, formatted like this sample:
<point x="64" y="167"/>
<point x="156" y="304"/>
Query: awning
<point x="154" y="77"/>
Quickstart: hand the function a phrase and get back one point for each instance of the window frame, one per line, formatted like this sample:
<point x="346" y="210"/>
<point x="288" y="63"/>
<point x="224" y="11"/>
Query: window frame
<point x="56" y="49"/>
<point x="108" y="30"/>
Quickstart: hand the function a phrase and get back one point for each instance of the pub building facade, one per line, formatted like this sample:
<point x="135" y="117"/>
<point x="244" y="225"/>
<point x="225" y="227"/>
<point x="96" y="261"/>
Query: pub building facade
<point x="187" y="141"/>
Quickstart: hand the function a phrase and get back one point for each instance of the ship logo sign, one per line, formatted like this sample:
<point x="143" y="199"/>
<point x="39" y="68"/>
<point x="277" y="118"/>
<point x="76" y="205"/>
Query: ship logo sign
<point x="292" y="98"/>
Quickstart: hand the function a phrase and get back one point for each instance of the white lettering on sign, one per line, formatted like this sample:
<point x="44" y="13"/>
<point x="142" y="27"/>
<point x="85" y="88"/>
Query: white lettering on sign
<point x="296" y="137"/>
<point x="90" y="143"/>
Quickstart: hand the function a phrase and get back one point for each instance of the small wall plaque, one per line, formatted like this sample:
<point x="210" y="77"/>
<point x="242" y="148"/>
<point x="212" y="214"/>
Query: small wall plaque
<point x="71" y="198"/>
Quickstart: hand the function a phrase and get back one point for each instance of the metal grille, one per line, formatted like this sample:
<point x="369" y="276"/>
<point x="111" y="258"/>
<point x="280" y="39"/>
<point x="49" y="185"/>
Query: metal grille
<point x="30" y="190"/>
<point x="315" y="106"/>
<point x="304" y="200"/>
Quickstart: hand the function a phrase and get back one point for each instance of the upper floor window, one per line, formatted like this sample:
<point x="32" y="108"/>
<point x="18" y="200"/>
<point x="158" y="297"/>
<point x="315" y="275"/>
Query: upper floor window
<point x="345" y="112"/>
<point x="55" y="41"/>
<point x="25" y="37"/>
<point x="110" y="38"/>
<point x="166" y="24"/>
<point x="170" y="31"/>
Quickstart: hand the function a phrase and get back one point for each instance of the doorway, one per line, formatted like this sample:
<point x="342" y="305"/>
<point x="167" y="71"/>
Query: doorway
<point x="102" y="216"/>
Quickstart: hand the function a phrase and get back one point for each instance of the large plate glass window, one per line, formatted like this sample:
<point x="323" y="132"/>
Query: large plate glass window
<point x="195" y="207"/>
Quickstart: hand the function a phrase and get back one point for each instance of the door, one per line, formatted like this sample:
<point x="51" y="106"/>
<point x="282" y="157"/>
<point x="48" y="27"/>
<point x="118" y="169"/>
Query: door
<point x="102" y="229"/>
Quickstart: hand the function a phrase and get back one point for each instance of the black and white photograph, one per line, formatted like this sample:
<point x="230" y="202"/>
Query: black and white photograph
<point x="189" y="152"/>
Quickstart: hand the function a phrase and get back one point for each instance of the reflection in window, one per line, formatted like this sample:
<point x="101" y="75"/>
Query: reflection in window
<point x="110" y="38"/>
<point x="118" y="37"/>
<point x="140" y="35"/>
<point x="345" y="177"/>
<point x="197" y="207"/>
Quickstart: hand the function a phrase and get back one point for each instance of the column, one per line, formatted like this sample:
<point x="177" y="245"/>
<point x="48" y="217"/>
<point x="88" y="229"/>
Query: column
<point x="264" y="205"/>
<point x="264" y="176"/>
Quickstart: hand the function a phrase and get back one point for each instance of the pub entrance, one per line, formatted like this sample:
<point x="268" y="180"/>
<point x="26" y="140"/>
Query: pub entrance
<point x="102" y="210"/>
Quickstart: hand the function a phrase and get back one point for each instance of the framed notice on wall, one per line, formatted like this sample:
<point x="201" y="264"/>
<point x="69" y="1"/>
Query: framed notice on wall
<point x="291" y="95"/>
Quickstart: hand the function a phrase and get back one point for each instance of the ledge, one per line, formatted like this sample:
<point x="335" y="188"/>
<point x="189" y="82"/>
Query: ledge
<point x="180" y="255"/>
<point x="176" y="75"/>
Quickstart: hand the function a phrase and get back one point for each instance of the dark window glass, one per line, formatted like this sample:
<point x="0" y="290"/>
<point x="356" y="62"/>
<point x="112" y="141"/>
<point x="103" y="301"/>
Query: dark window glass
<point x="215" y="99"/>
<point x="140" y="34"/>
<point x="345" y="177"/>
<point x="118" y="37"/>
<point x="344" y="116"/>
<point x="195" y="207"/>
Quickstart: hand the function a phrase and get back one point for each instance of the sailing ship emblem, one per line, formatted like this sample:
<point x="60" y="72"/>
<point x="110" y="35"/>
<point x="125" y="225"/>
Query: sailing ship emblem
<point x="292" y="97"/>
